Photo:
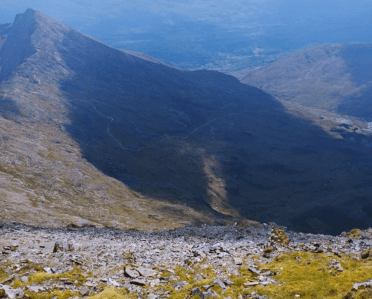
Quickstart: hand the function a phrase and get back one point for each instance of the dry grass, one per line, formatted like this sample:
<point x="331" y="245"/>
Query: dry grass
<point x="113" y="293"/>
<point x="74" y="275"/>
<point x="46" y="295"/>
<point x="3" y="274"/>
<point x="311" y="278"/>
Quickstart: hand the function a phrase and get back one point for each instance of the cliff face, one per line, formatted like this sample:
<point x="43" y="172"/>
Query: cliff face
<point x="94" y="135"/>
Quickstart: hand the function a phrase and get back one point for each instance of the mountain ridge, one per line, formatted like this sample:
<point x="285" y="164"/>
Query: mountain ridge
<point x="92" y="135"/>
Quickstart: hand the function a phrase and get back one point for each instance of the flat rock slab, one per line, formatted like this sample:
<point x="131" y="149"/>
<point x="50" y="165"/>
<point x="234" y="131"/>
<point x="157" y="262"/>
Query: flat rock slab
<point x="113" y="282"/>
<point x="35" y="289"/>
<point x="146" y="272"/>
<point x="132" y="273"/>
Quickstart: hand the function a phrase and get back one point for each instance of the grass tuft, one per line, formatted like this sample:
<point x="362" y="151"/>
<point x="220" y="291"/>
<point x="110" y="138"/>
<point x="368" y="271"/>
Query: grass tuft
<point x="73" y="275"/>
<point x="112" y="293"/>
<point x="3" y="274"/>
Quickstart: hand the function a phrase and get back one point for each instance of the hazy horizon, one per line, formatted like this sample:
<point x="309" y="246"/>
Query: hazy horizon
<point x="223" y="35"/>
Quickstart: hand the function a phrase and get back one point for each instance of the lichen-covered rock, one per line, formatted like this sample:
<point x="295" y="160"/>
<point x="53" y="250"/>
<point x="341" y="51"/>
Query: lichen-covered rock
<point x="72" y="246"/>
<point x="354" y="233"/>
<point x="278" y="236"/>
<point x="335" y="266"/>
<point x="64" y="245"/>
<point x="60" y="246"/>
<point x="268" y="250"/>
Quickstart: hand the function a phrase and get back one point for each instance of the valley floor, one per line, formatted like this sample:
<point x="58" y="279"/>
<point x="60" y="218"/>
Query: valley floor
<point x="240" y="261"/>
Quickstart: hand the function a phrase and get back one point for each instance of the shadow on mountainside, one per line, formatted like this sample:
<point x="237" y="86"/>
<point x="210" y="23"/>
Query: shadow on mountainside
<point x="207" y="141"/>
<point x="200" y="139"/>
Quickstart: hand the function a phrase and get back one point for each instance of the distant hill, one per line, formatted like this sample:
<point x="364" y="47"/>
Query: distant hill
<point x="335" y="77"/>
<point x="92" y="135"/>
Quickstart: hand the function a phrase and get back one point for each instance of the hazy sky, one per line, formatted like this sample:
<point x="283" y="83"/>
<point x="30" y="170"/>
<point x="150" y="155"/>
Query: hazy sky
<point x="197" y="32"/>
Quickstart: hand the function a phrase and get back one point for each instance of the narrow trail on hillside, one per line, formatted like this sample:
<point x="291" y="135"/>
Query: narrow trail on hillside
<point x="168" y="137"/>
<point x="117" y="141"/>
<point x="108" y="126"/>
<point x="315" y="69"/>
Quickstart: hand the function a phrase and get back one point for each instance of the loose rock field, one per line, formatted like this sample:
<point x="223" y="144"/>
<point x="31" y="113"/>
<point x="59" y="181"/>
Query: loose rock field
<point x="240" y="261"/>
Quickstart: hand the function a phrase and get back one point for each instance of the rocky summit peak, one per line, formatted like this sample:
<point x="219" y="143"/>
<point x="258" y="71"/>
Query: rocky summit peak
<point x="30" y="11"/>
<point x="32" y="21"/>
<point x="17" y="44"/>
<point x="25" y="19"/>
<point x="31" y="15"/>
<point x="31" y="31"/>
<point x="28" y="14"/>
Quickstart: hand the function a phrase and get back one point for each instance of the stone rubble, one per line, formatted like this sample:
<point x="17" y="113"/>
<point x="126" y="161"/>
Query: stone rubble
<point x="134" y="259"/>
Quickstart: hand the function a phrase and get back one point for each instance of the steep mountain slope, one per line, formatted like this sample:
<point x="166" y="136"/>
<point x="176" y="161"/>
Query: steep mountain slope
<point x="336" y="77"/>
<point x="94" y="135"/>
